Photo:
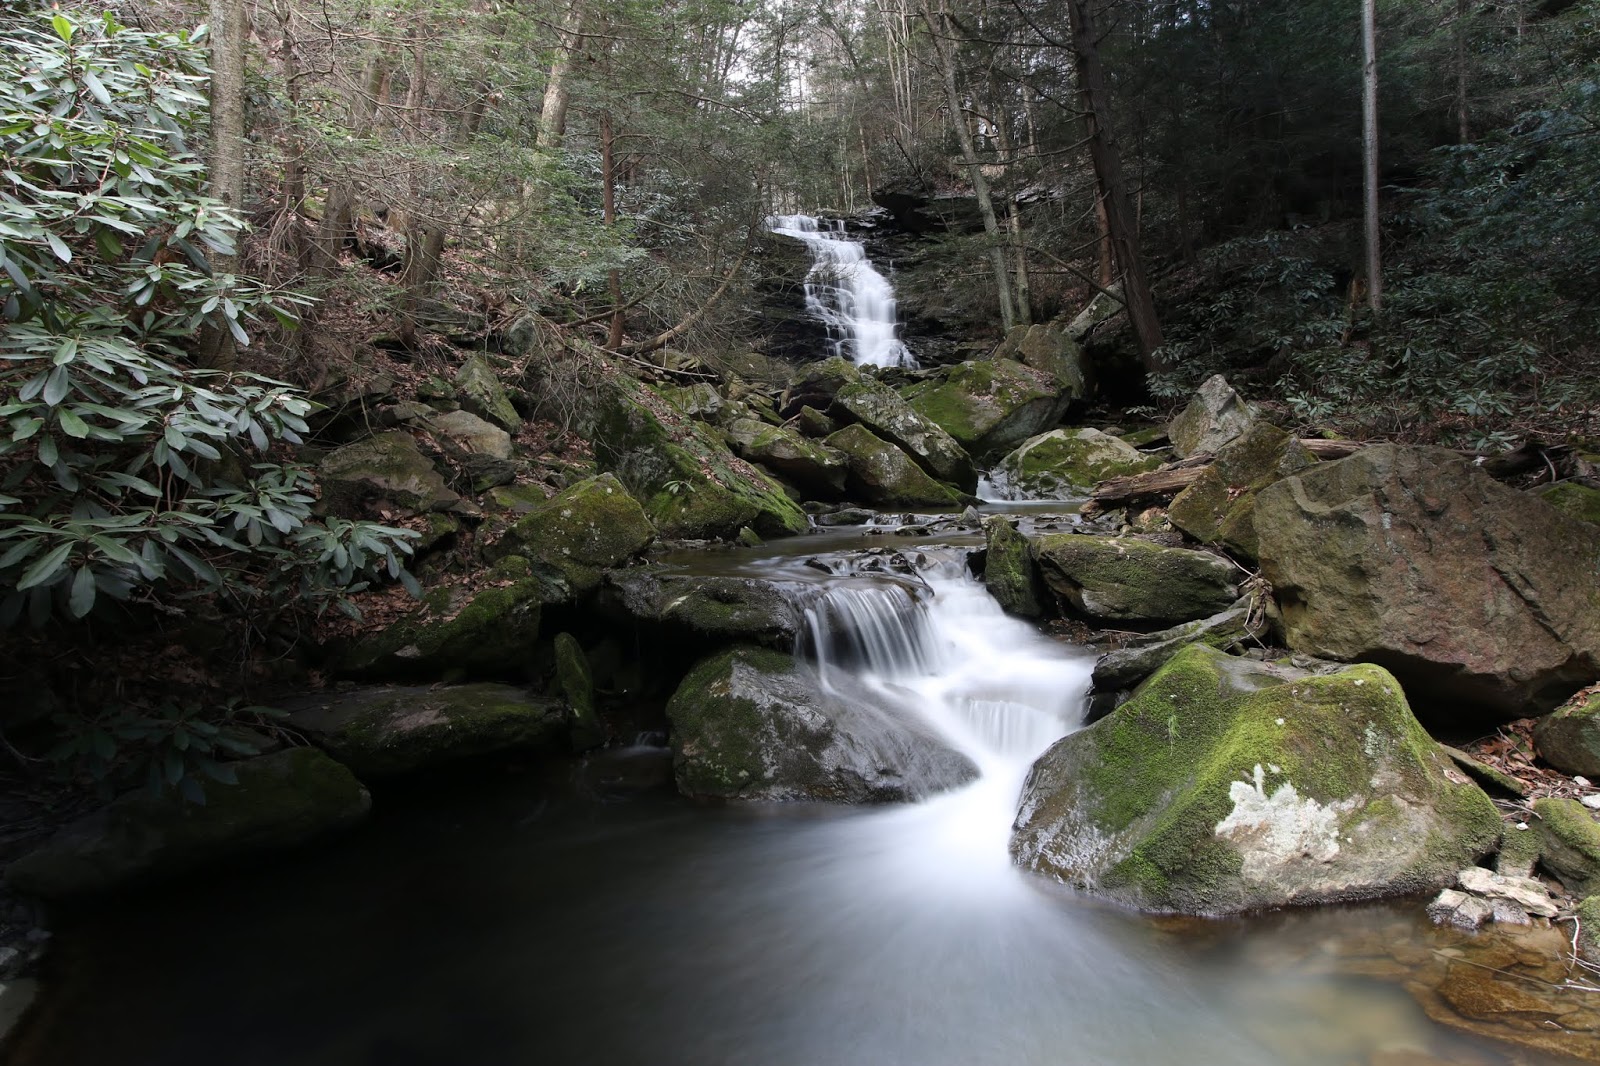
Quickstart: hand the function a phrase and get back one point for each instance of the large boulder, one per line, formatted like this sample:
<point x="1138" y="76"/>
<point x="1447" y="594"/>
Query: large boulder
<point x="1065" y="463"/>
<point x="1009" y="569"/>
<point x="1124" y="579"/>
<point x="1227" y="785"/>
<point x="392" y="730"/>
<point x="1218" y="507"/>
<point x="1046" y="347"/>
<point x="1569" y="843"/>
<point x="879" y="408"/>
<point x="589" y="527"/>
<point x="704" y="609"/>
<point x="749" y="724"/>
<point x="386" y="470"/>
<point x="1479" y="595"/>
<point x="481" y="393"/>
<point x="689" y="483"/>
<point x="814" y="468"/>
<point x="991" y="406"/>
<point x="1569" y="738"/>
<point x="882" y="474"/>
<point x="1216" y="416"/>
<point x="279" y="800"/>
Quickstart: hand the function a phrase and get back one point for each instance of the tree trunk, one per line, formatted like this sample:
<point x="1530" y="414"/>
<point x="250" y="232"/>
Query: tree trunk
<point x="608" y="181"/>
<point x="1369" y="148"/>
<point x="1463" y="125"/>
<point x="226" y="158"/>
<point x="553" y="112"/>
<point x="338" y="211"/>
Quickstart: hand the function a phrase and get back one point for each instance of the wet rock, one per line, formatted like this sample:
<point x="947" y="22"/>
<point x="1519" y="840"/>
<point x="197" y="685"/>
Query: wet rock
<point x="881" y="410"/>
<point x="1569" y="843"/>
<point x="1216" y="416"/>
<point x="481" y="393"/>
<point x="1589" y="930"/>
<point x="1460" y="909"/>
<point x="1226" y="785"/>
<point x="725" y="609"/>
<point x="814" y="468"/>
<point x="1526" y="892"/>
<point x="576" y="683"/>
<point x="392" y="730"/>
<point x="990" y="407"/>
<point x="579" y="532"/>
<point x="1569" y="739"/>
<point x="1069" y="463"/>
<point x="1125" y="579"/>
<point x="882" y="474"/>
<point x="749" y="724"/>
<point x="846" y="516"/>
<point x="384" y="470"/>
<point x="1480" y="993"/>
<point x="1009" y="569"/>
<point x="1219" y="506"/>
<point x="281" y="800"/>
<point x="1410" y="556"/>
<point x="1519" y="850"/>
<point x="1145" y="654"/>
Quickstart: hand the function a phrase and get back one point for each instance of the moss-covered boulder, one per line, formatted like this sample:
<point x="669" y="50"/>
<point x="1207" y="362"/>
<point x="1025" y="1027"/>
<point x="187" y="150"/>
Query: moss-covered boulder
<point x="690" y="484"/>
<point x="279" y="800"/>
<point x="1579" y="501"/>
<point x="1589" y="930"/>
<point x="460" y="631"/>
<point x="1009" y="570"/>
<point x="700" y="400"/>
<point x="1218" y="507"/>
<point x="750" y="724"/>
<point x="1569" y="843"/>
<point x="386" y="470"/>
<point x="1569" y="737"/>
<point x="813" y="423"/>
<point x="1046" y="346"/>
<point x="882" y="474"/>
<point x="582" y="530"/>
<point x="876" y="406"/>
<point x="1478" y="594"/>
<point x="1227" y="785"/>
<point x="699" y="609"/>
<point x="1065" y="463"/>
<point x="1216" y="416"/>
<point x="1146" y="653"/>
<point x="392" y="730"/>
<point x="480" y="392"/>
<point x="814" y="468"/>
<point x="991" y="406"/>
<point x="576" y="682"/>
<point x="1130" y="580"/>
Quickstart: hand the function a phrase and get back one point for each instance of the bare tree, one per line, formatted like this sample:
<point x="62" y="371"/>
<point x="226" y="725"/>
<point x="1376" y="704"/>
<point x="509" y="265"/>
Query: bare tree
<point x="1369" y="148"/>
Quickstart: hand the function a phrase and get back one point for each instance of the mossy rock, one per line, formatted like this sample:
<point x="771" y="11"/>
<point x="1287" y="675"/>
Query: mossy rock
<point x="700" y="401"/>
<point x="459" y="632"/>
<point x="1569" y="843"/>
<point x="280" y="800"/>
<point x="1046" y="347"/>
<point x="395" y="730"/>
<point x="385" y="469"/>
<point x="1009" y="570"/>
<point x="1226" y="785"/>
<point x="1579" y="501"/>
<point x="813" y="467"/>
<point x="576" y="682"/>
<point x="481" y="393"/>
<point x="1219" y="506"/>
<point x="1589" y="930"/>
<point x="749" y="724"/>
<point x="582" y="530"/>
<point x="990" y="407"/>
<point x="469" y="435"/>
<point x="1569" y="737"/>
<point x="704" y="609"/>
<point x="690" y="484"/>
<point x="1147" y="653"/>
<point x="518" y="499"/>
<point x="882" y="474"/>
<point x="1216" y="416"/>
<point x="882" y="411"/>
<point x="1131" y="580"/>
<point x="813" y="423"/>
<point x="1065" y="463"/>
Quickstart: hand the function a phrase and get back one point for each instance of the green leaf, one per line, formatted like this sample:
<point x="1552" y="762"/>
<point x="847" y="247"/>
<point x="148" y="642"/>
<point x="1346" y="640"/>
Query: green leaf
<point x="45" y="568"/>
<point x="72" y="425"/>
<point x="63" y="27"/>
<point x="57" y="386"/>
<point x="81" y="600"/>
<point x="58" y="246"/>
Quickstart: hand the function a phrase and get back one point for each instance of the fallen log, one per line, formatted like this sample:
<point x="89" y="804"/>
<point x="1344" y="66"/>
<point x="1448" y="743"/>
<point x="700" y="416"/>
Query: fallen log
<point x="1166" y="482"/>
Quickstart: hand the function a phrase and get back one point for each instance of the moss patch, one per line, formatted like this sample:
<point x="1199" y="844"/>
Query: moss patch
<point x="1579" y="501"/>
<point x="1070" y="462"/>
<point x="1123" y="578"/>
<point x="587" y="528"/>
<point x="1569" y="843"/>
<point x="991" y="406"/>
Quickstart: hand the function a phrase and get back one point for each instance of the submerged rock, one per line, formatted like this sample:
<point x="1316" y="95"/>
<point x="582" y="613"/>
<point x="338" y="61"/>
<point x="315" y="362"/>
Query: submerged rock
<point x="1569" y="738"/>
<point x="1473" y="592"/>
<point x="882" y="474"/>
<point x="1126" y="579"/>
<point x="991" y="406"/>
<point x="280" y="800"/>
<point x="1227" y="785"/>
<point x="385" y="469"/>
<point x="1070" y="462"/>
<point x="1216" y="416"/>
<point x="749" y="724"/>
<point x="590" y="527"/>
<point x="1219" y="506"/>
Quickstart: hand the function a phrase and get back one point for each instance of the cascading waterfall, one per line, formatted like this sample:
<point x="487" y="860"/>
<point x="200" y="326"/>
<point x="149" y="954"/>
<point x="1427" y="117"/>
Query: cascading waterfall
<point x="847" y="293"/>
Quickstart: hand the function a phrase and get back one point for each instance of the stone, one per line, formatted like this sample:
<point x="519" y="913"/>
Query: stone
<point x="882" y="411"/>
<point x="1216" y="416"/>
<point x="1578" y="500"/>
<point x="1589" y="930"/>
<point x="813" y="423"/>
<point x="814" y="468"/>
<point x="1226" y="785"/>
<point x="385" y="470"/>
<point x="281" y="800"/>
<point x="1044" y="346"/>
<point x="1569" y="738"/>
<point x="1413" y="558"/>
<point x="700" y="400"/>
<point x="1519" y="851"/>
<point x="1569" y="843"/>
<point x="1219" y="506"/>
<point x="884" y="475"/>
<point x="749" y="724"/>
<point x="990" y="407"/>
<point x="1129" y="580"/>
<point x="1525" y="892"/>
<point x="590" y="527"/>
<point x="480" y="392"/>
<point x="472" y="434"/>
<point x="1460" y="909"/>
<point x="718" y="609"/>
<point x="1009" y="570"/>
<point x="1068" y="463"/>
<point x="1490" y="779"/>
<point x="1146" y="653"/>
<point x="392" y="730"/>
<point x="576" y="683"/>
<point x="1106" y="304"/>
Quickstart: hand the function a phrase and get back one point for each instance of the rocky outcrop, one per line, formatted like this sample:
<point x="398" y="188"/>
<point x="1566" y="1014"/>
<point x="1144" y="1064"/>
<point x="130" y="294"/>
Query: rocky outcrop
<point x="1143" y="655"/>
<point x="1216" y="416"/>
<point x="280" y="800"/>
<point x="1477" y="594"/>
<point x="1228" y="785"/>
<point x="392" y="730"/>
<point x="590" y="527"/>
<point x="703" y="609"/>
<point x="1569" y="738"/>
<point x="881" y="410"/>
<point x="991" y="406"/>
<point x="882" y="474"/>
<point x="1131" y="580"/>
<point x="1009" y="570"/>
<point x="1218" y="507"/>
<point x="480" y="392"/>
<point x="384" y="470"/>
<point x="748" y="724"/>
<point x="815" y="469"/>
<point x="1569" y="843"/>
<point x="1065" y="463"/>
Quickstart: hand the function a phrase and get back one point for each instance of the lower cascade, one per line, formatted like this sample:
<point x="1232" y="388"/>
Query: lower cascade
<point x="847" y="293"/>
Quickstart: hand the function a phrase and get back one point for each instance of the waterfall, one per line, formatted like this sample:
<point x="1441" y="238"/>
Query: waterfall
<point x="847" y="293"/>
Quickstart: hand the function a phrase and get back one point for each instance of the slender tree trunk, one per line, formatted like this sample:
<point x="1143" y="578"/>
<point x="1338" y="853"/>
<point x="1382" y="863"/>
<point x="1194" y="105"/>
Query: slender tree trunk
<point x="1463" y="124"/>
<point x="338" y="211"/>
<point x="1108" y="266"/>
<point x="608" y="180"/>
<point x="226" y="158"/>
<point x="1369" y="148"/>
<point x="557" y="93"/>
